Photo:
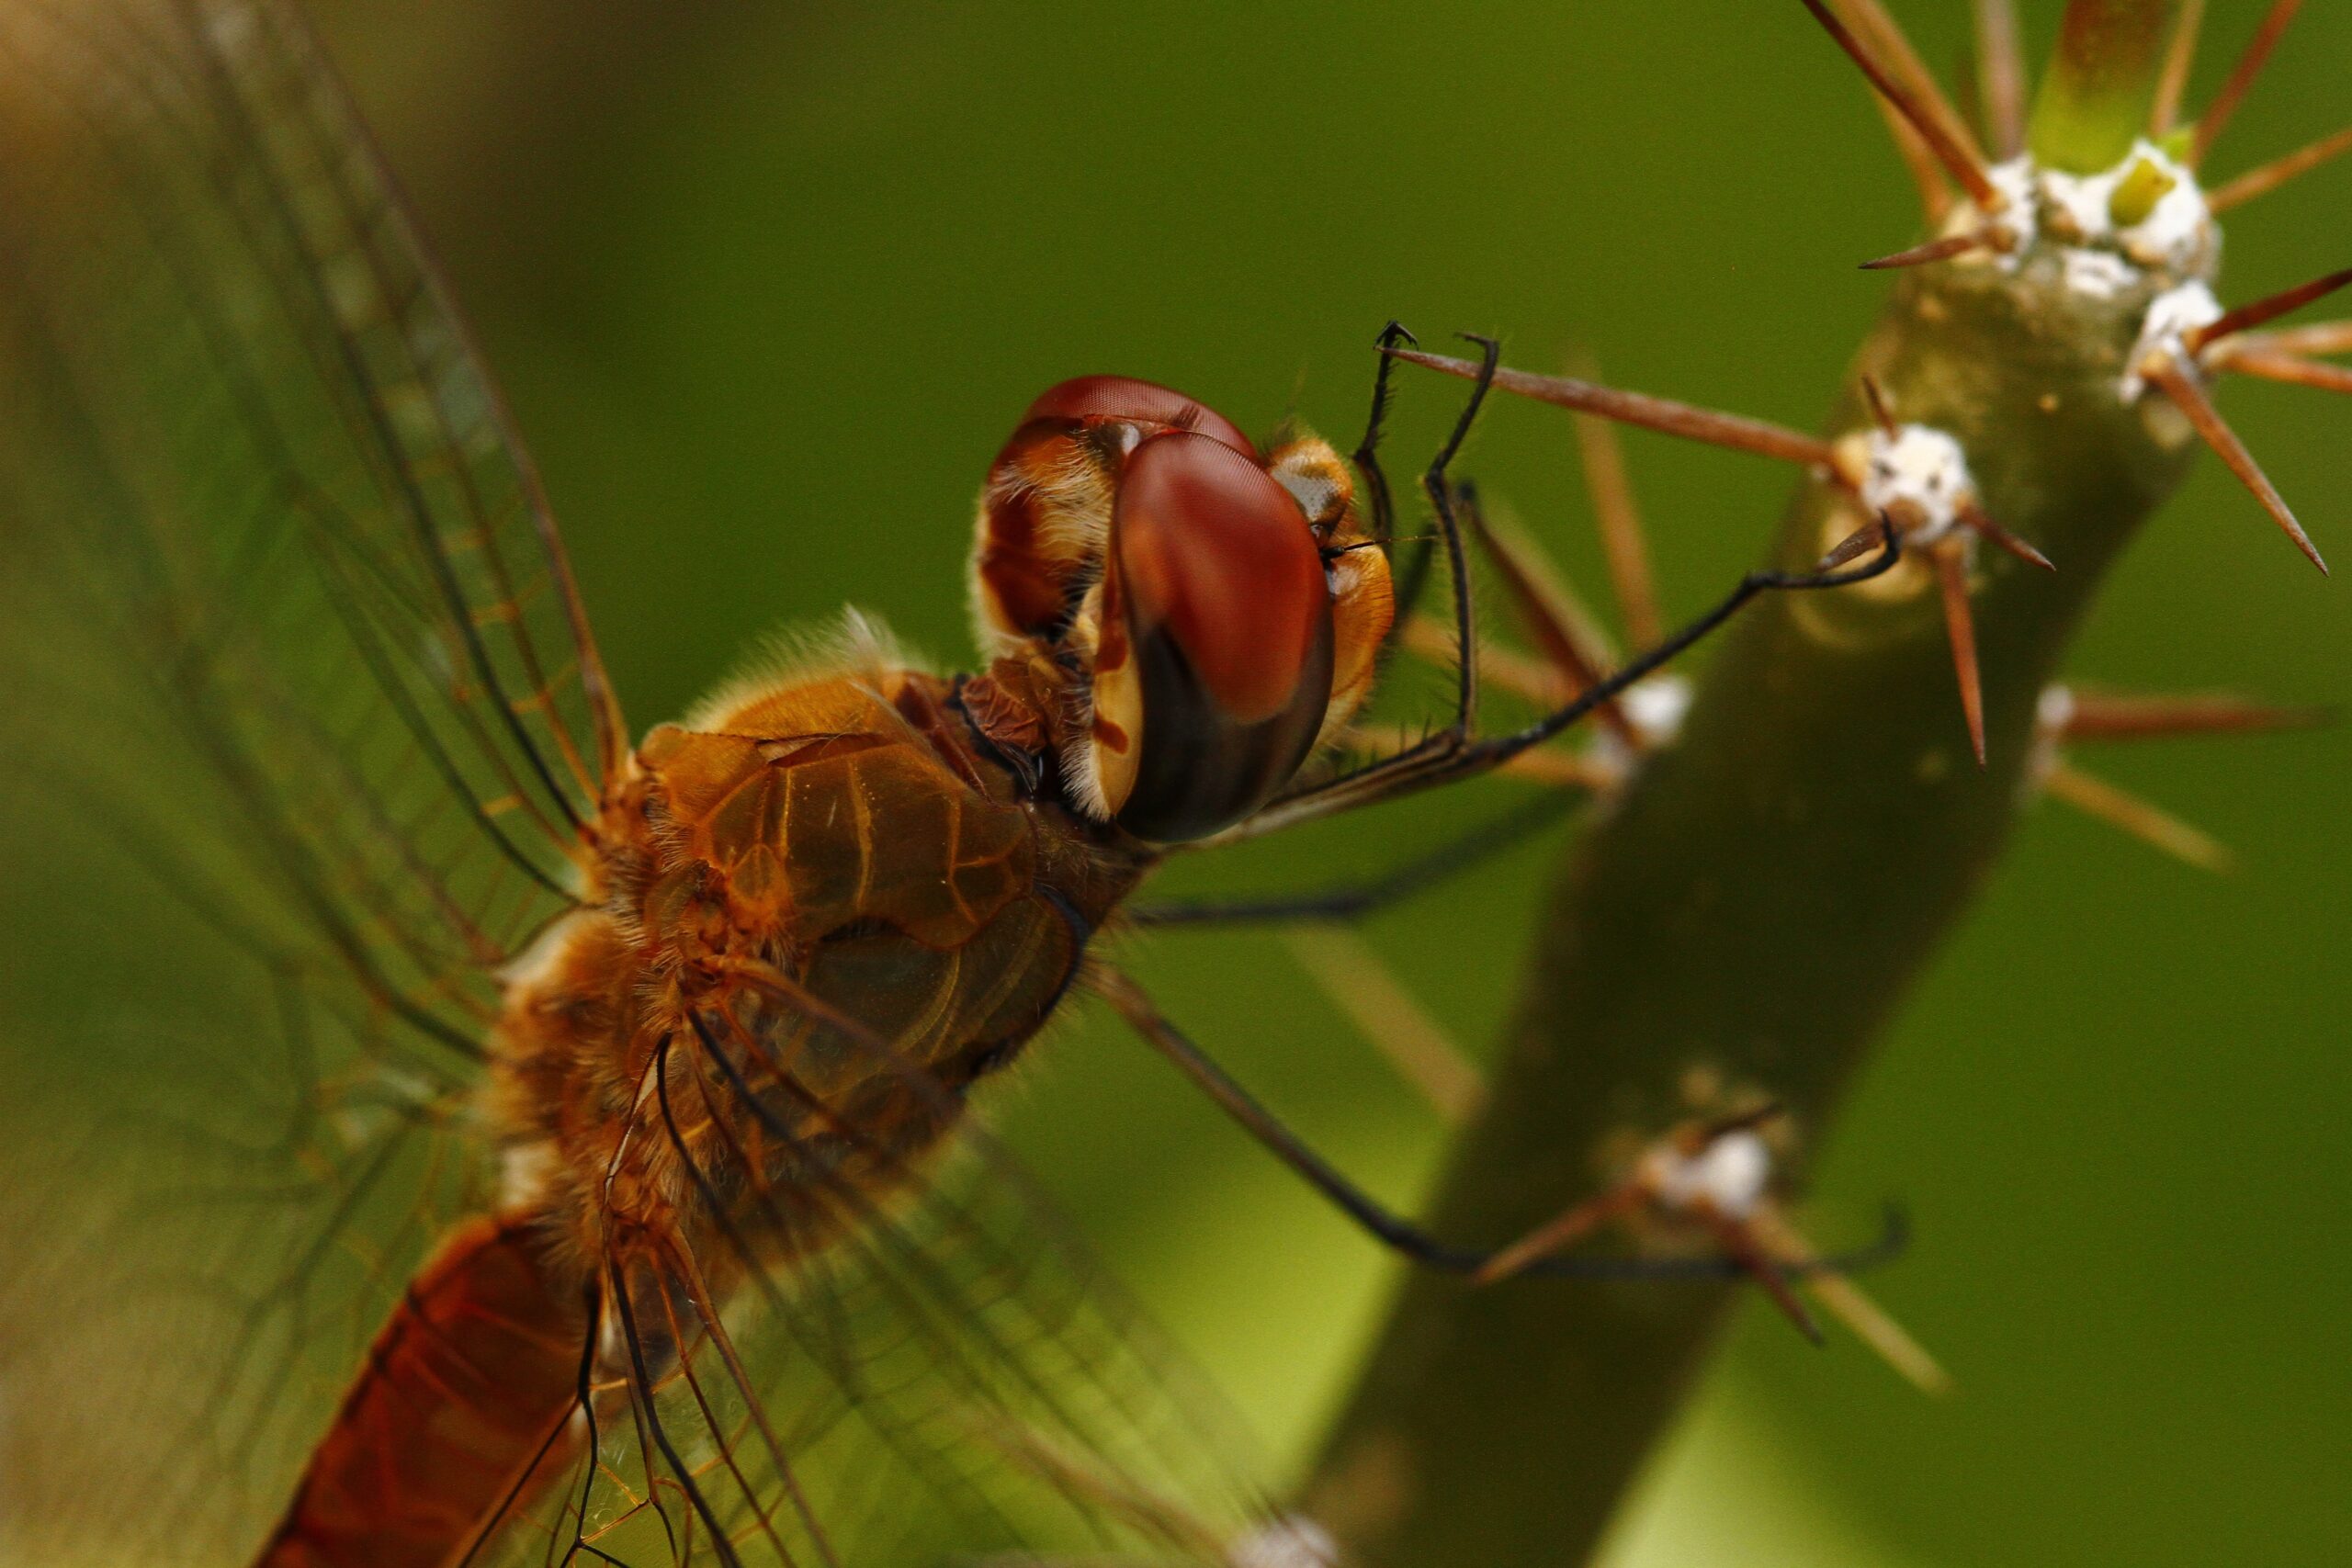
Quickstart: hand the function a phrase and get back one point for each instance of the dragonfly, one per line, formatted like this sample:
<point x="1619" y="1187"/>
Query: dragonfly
<point x="486" y="1133"/>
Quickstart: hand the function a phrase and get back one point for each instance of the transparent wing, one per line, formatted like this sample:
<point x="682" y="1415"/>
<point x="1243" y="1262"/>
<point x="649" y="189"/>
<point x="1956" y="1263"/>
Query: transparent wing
<point x="210" y="1198"/>
<point x="300" y="718"/>
<point x="248" y="448"/>
<point x="303" y="728"/>
<point x="949" y="1378"/>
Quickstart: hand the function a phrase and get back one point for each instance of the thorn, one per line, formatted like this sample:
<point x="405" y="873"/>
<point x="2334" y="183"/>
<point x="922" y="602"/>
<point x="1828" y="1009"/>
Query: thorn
<point x="1853" y="547"/>
<point x="1962" y="164"/>
<point x="2246" y="318"/>
<point x="1974" y="518"/>
<point x="1360" y="985"/>
<point x="1881" y="416"/>
<point x="2187" y="394"/>
<point x="1663" y="414"/>
<point x="1960" y="626"/>
<point x="1623" y="541"/>
<point x="2001" y="69"/>
<point x="2249" y="66"/>
<point x="1886" y="37"/>
<point x="1951" y="246"/>
<point x="1845" y="1301"/>
<point x="2148" y="823"/>
<point x="2316" y="337"/>
<point x="2278" y="171"/>
<point x="1678" y="1178"/>
<point x="2163" y="113"/>
<point x="2290" y="368"/>
<point x="1562" y="1233"/>
<point x="1740" y="1242"/>
<point x="2112" y="715"/>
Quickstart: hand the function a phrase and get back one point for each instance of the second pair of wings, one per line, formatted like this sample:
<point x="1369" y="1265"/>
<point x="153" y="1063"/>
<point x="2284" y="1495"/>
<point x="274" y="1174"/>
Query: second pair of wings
<point x="305" y="724"/>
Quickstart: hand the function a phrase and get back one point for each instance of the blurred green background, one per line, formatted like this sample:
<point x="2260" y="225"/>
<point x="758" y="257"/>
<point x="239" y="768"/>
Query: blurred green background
<point x="769" y="283"/>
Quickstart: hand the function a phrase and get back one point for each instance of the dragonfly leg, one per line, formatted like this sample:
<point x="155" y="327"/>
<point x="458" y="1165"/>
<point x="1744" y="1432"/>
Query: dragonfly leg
<point x="1452" y="754"/>
<point x="1367" y="458"/>
<point x="1437" y="484"/>
<point x="1567" y="640"/>
<point x="1355" y="900"/>
<point x="1471" y="759"/>
<point x="1382" y="1224"/>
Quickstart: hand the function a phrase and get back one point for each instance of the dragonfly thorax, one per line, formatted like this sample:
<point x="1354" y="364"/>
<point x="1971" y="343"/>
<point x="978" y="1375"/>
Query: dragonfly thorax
<point x="828" y="908"/>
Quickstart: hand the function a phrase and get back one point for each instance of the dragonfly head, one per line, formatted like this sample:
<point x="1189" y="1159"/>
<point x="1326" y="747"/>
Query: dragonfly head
<point x="1222" y="608"/>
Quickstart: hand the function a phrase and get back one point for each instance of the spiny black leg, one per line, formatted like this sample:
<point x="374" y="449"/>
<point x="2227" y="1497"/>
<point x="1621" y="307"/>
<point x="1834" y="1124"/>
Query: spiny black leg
<point x="1443" y="744"/>
<point x="1367" y="453"/>
<point x="1448" y="754"/>
<point x="1377" y="783"/>
<point x="1439" y="487"/>
<point x="1412" y="576"/>
<point x="1349" y="901"/>
<point x="1376" y="1220"/>
<point x="1488" y="754"/>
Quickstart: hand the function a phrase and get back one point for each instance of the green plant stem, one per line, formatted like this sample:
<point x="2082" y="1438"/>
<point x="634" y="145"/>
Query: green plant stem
<point x="1753" y="911"/>
<point x="2102" y="79"/>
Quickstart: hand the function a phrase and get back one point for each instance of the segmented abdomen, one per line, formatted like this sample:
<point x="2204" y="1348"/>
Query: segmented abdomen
<point x="464" y="1409"/>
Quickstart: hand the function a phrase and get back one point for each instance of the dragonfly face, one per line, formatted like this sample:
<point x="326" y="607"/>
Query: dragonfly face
<point x="1220" y="611"/>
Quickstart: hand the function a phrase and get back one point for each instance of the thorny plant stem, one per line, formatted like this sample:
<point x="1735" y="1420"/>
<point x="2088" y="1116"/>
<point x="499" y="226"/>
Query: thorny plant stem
<point x="1753" y="911"/>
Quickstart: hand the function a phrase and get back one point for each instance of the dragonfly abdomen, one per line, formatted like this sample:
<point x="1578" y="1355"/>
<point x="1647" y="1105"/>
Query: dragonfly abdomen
<point x="466" y="1403"/>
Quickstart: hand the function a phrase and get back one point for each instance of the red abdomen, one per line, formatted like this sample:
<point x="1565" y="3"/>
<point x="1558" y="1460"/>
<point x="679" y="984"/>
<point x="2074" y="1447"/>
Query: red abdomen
<point x="463" y="1411"/>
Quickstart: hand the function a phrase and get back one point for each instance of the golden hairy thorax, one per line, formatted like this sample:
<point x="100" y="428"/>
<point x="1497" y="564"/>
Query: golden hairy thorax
<point x="824" y="910"/>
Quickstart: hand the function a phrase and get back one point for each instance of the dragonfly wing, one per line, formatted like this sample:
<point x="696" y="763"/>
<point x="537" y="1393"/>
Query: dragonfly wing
<point x="946" y="1381"/>
<point x="300" y="716"/>
<point x="258" y="475"/>
<point x="952" y="1378"/>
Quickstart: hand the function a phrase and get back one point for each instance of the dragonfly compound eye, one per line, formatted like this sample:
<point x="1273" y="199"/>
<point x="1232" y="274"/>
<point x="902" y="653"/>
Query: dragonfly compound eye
<point x="1214" y="652"/>
<point x="1123" y="399"/>
<point x="1046" y="506"/>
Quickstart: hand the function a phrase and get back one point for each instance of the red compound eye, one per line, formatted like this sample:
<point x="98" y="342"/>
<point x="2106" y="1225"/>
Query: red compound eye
<point x="1045" y="507"/>
<point x="1124" y="399"/>
<point x="1228" y="656"/>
